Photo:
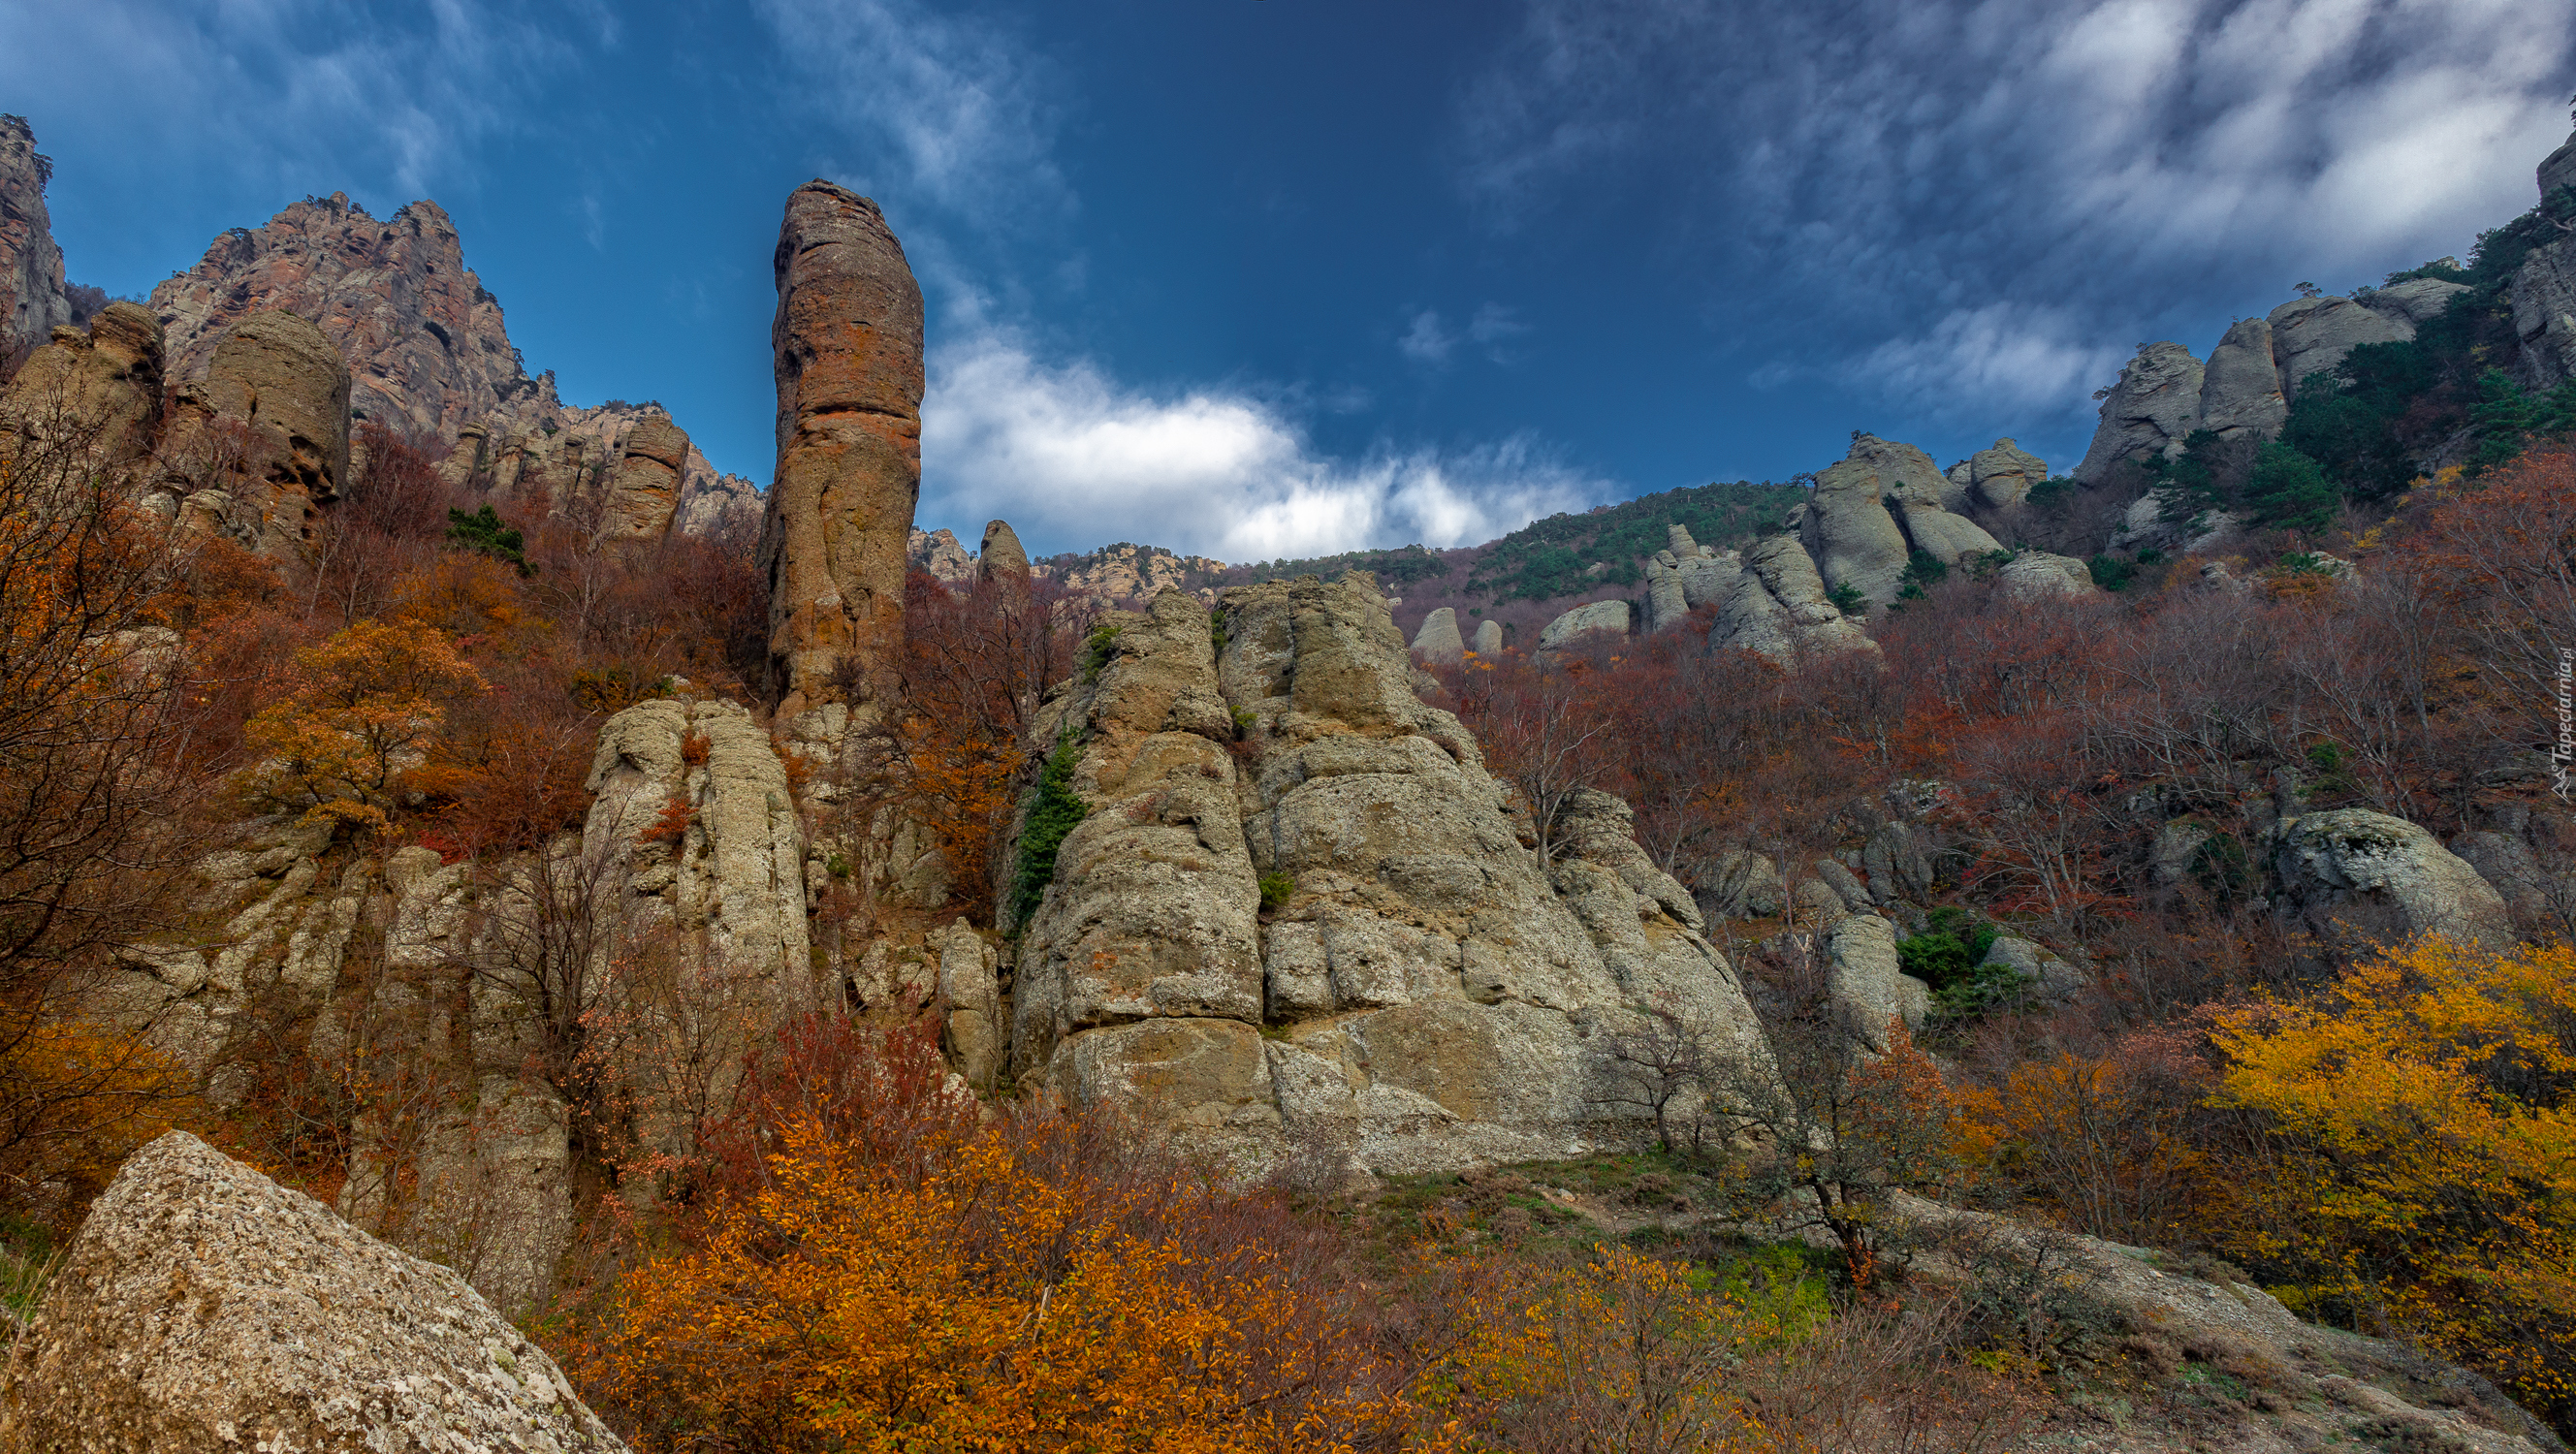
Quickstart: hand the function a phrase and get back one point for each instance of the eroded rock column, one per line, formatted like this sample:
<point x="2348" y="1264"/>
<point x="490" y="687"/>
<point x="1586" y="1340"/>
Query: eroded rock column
<point x="847" y="337"/>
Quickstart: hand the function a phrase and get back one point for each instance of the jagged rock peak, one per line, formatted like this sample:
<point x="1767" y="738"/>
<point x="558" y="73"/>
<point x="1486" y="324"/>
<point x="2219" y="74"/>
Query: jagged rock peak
<point x="425" y="343"/>
<point x="847" y="341"/>
<point x="204" y="1309"/>
<point x="32" y="302"/>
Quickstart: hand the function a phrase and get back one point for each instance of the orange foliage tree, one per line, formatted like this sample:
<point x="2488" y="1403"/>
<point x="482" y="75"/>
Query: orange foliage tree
<point x="365" y="718"/>
<point x="2417" y="1163"/>
<point x="896" y="1273"/>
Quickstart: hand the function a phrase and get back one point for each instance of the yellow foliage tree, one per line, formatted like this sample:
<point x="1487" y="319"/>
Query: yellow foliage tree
<point x="959" y="1285"/>
<point x="370" y="705"/>
<point x="2418" y="1167"/>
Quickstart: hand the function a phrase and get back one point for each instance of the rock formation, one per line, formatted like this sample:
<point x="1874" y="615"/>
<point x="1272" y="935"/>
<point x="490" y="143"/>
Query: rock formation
<point x="1489" y="638"/>
<point x="847" y="338"/>
<point x="2245" y="389"/>
<point x="423" y="340"/>
<point x="1864" y="976"/>
<point x="2240" y="390"/>
<point x="1571" y="627"/>
<point x="204" y="1309"/>
<point x="2001" y="477"/>
<point x="1426" y="996"/>
<point x="32" y="304"/>
<point x="1778" y="608"/>
<point x="643" y="491"/>
<point x="2150" y="411"/>
<point x="1684" y="576"/>
<point x="937" y="553"/>
<point x="2378" y="874"/>
<point x="1438" y="640"/>
<point x="1000" y="555"/>
<point x="260" y="443"/>
<point x="99" y="390"/>
<point x="1849" y="533"/>
<point x="2544" y="288"/>
<point x="2035" y="575"/>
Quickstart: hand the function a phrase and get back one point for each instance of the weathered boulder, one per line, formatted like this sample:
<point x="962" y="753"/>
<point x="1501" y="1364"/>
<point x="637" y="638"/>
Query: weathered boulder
<point x="2045" y="973"/>
<point x="1897" y="864"/>
<point x="1905" y="474"/>
<point x="99" y="391"/>
<point x="2310" y="335"/>
<point x="2035" y="575"/>
<point x="2382" y="873"/>
<point x="1778" y="608"/>
<point x="969" y="984"/>
<point x="2164" y="520"/>
<point x="267" y="428"/>
<point x="1868" y="982"/>
<point x="1666" y="604"/>
<point x="1847" y="887"/>
<point x="206" y="1310"/>
<point x="1572" y="627"/>
<point x="32" y="302"/>
<point x="1849" y="533"/>
<point x="2002" y="476"/>
<point x="1438" y="640"/>
<point x="1943" y="536"/>
<point x="2535" y="896"/>
<point x="1489" y="638"/>
<point x="1000" y="555"/>
<point x="838" y="518"/>
<point x="2240" y="391"/>
<point x="2150" y="411"/>
<point x="1744" y="884"/>
<point x="643" y="492"/>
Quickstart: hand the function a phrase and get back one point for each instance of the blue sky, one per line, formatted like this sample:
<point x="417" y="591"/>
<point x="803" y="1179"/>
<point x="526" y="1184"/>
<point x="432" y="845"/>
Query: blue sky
<point x="1275" y="277"/>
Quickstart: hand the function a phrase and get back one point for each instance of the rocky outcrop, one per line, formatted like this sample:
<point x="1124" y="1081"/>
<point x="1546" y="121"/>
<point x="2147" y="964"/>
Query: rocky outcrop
<point x="1869" y="983"/>
<point x="1132" y="575"/>
<point x="2164" y="520"/>
<point x="2035" y="575"/>
<point x="2240" y="391"/>
<point x="1000" y="557"/>
<point x="206" y="1310"/>
<point x="2311" y="335"/>
<point x="260" y="442"/>
<point x="691" y="801"/>
<point x="2558" y="169"/>
<point x="1849" y="534"/>
<point x="1572" y="627"/>
<point x="643" y="490"/>
<point x="1426" y="994"/>
<point x="423" y="340"/>
<point x="2417" y="301"/>
<point x="2150" y="411"/>
<point x="1943" y="536"/>
<point x="937" y="554"/>
<point x="1438" y="640"/>
<point x="714" y="505"/>
<point x="1906" y="475"/>
<point x="2544" y="312"/>
<point x="1778" y="608"/>
<point x="99" y="391"/>
<point x="2001" y="477"/>
<point x="847" y="339"/>
<point x="32" y="303"/>
<point x="1489" y="638"/>
<point x="2376" y="874"/>
<point x="1686" y="575"/>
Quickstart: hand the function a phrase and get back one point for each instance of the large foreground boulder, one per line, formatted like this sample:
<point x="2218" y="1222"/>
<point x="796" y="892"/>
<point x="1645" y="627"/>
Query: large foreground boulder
<point x="2383" y="875"/>
<point x="205" y="1309"/>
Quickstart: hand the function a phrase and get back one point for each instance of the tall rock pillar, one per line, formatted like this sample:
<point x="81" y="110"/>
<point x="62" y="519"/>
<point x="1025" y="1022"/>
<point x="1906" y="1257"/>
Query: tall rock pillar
<point x="847" y="338"/>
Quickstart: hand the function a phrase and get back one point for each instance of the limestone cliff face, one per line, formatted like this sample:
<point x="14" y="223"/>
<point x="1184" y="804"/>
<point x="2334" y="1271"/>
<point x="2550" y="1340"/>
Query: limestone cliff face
<point x="101" y="388"/>
<point x="1425" y="995"/>
<point x="847" y="338"/>
<point x="32" y="304"/>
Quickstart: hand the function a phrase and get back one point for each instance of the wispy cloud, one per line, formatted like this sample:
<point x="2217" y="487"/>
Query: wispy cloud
<point x="1073" y="458"/>
<point x="1987" y="202"/>
<point x="944" y="103"/>
<point x="1429" y="339"/>
<point x="290" y="96"/>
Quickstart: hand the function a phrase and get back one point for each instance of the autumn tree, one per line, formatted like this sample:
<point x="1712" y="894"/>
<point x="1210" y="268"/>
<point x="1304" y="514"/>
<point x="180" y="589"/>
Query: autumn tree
<point x="2415" y="1170"/>
<point x="343" y="746"/>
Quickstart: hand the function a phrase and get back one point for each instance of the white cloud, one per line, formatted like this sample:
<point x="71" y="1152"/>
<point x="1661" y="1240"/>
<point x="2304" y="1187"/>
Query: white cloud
<point x="1427" y="340"/>
<point x="967" y="112"/>
<point x="1072" y="459"/>
<point x="1963" y="197"/>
